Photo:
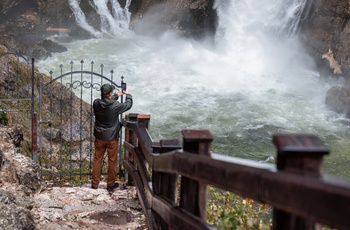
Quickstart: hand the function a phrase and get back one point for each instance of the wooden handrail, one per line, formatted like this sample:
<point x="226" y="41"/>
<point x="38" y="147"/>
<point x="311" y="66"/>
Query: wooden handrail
<point x="303" y="193"/>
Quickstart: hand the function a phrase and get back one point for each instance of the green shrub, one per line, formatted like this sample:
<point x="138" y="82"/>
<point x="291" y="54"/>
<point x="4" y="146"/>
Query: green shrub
<point x="3" y="118"/>
<point x="228" y="211"/>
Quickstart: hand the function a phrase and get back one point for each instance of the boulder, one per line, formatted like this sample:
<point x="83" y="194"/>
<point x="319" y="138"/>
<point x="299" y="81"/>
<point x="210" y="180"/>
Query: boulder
<point x="20" y="179"/>
<point x="338" y="99"/>
<point x="53" y="47"/>
<point x="16" y="170"/>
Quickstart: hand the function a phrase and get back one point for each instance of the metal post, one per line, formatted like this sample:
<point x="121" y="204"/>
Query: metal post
<point x="121" y="137"/>
<point x="34" y="138"/>
<point x="34" y="122"/>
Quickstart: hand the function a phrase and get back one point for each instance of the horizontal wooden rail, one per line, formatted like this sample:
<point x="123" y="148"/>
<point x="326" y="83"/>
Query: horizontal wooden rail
<point x="303" y="193"/>
<point x="307" y="197"/>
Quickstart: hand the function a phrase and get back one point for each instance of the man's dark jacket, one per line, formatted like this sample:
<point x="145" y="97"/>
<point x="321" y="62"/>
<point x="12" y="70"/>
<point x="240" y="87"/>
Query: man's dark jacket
<point x="107" y="116"/>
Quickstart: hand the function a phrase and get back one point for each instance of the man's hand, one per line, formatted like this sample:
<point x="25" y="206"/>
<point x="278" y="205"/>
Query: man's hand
<point x="120" y="92"/>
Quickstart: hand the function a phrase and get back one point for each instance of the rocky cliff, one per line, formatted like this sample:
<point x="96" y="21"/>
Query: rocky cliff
<point x="327" y="28"/>
<point x="26" y="24"/>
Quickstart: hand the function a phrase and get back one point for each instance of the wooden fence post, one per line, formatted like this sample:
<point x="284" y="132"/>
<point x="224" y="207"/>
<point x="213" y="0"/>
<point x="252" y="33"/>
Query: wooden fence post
<point x="131" y="138"/>
<point x="193" y="195"/>
<point x="297" y="154"/>
<point x="165" y="184"/>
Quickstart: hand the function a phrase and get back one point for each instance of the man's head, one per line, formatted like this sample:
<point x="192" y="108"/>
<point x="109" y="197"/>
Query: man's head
<point x="106" y="89"/>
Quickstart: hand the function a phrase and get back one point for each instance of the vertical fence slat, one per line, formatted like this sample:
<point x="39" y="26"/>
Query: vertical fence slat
<point x="193" y="197"/>
<point x="34" y="137"/>
<point x="131" y="138"/>
<point x="165" y="184"/>
<point x="298" y="154"/>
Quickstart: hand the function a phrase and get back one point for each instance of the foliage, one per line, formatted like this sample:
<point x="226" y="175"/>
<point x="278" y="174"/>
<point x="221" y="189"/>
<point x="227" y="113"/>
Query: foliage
<point x="3" y="118"/>
<point x="229" y="211"/>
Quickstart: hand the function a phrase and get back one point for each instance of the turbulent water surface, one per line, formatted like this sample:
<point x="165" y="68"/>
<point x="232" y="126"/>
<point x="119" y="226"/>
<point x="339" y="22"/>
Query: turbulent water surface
<point x="253" y="81"/>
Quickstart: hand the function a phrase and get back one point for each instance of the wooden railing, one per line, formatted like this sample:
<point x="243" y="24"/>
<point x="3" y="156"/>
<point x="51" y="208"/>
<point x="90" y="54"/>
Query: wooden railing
<point x="300" y="196"/>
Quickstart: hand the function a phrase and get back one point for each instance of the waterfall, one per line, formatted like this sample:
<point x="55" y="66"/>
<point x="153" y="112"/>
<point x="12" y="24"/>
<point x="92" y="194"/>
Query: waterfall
<point x="114" y="22"/>
<point x="254" y="82"/>
<point x="282" y="17"/>
<point x="262" y="36"/>
<point x="81" y="19"/>
<point x="122" y="15"/>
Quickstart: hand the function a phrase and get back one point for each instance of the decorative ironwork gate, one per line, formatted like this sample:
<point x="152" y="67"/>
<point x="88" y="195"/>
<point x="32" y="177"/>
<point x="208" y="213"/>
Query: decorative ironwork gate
<point x="66" y="122"/>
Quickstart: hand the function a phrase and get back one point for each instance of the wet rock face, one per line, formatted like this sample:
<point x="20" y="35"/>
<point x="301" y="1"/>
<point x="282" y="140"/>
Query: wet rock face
<point x="190" y="18"/>
<point x="25" y="24"/>
<point x="327" y="27"/>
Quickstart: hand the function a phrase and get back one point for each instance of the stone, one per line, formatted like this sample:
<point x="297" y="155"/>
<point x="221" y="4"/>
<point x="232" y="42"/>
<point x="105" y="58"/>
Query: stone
<point x="338" y="99"/>
<point x="76" y="132"/>
<point x="15" y="211"/>
<point x="53" y="47"/>
<point x="15" y="168"/>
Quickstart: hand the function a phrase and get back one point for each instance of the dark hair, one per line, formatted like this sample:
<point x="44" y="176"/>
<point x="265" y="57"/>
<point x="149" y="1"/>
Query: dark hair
<point x="106" y="89"/>
<point x="104" y="95"/>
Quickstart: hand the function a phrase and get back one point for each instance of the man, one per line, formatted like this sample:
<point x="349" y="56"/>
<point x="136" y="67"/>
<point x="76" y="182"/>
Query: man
<point x="106" y="132"/>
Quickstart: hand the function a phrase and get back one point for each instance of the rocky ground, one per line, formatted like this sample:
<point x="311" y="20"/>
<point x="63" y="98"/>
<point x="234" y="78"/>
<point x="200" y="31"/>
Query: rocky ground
<point x="86" y="208"/>
<point x="28" y="202"/>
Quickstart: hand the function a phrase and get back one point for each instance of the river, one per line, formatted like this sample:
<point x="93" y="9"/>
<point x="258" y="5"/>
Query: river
<point x="253" y="80"/>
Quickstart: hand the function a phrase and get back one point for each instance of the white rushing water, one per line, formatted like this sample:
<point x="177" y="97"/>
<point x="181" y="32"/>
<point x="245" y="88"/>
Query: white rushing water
<point x="253" y="82"/>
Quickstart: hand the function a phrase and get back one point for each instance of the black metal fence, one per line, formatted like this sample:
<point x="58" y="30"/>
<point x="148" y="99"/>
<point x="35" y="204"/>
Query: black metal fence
<point x="66" y="120"/>
<point x="56" y="110"/>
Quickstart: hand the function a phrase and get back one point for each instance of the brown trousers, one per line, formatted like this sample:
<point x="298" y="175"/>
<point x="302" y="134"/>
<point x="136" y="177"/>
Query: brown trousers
<point x="112" y="151"/>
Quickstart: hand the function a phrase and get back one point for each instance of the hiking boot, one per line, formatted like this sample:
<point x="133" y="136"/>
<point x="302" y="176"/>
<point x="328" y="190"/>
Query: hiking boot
<point x="112" y="188"/>
<point x="94" y="187"/>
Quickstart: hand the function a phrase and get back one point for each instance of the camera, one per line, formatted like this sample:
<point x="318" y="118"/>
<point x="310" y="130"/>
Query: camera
<point x="123" y="87"/>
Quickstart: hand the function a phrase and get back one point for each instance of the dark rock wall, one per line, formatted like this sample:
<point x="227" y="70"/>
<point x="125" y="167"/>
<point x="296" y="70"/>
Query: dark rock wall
<point x="328" y="27"/>
<point x="194" y="18"/>
<point x="25" y="23"/>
